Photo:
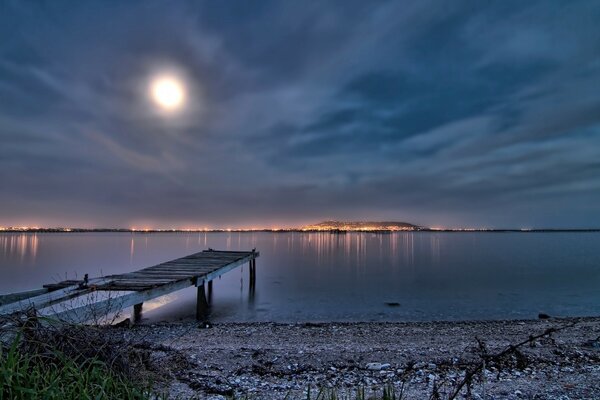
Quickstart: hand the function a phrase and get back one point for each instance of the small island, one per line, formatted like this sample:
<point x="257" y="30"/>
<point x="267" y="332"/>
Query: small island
<point x="362" y="226"/>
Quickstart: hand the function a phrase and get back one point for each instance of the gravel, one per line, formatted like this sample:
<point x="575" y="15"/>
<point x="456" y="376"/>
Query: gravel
<point x="272" y="361"/>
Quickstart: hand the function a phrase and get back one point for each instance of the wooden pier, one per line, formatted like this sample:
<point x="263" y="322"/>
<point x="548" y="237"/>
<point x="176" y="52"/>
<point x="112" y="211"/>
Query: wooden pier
<point x="87" y="299"/>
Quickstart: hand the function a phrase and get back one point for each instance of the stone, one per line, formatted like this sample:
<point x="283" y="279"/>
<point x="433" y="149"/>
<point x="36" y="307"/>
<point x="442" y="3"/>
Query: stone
<point x="376" y="366"/>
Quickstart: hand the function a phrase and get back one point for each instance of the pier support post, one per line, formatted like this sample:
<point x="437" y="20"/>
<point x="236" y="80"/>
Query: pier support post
<point x="252" y="272"/>
<point x="210" y="291"/>
<point x="201" y="303"/>
<point x="137" y="312"/>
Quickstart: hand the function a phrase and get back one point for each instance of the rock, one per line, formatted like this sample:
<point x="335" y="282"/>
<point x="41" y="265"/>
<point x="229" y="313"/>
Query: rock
<point x="392" y="304"/>
<point x="126" y="323"/>
<point x="375" y="366"/>
<point x="205" y="325"/>
<point x="431" y="366"/>
<point x="592" y="343"/>
<point x="543" y="316"/>
<point x="518" y="393"/>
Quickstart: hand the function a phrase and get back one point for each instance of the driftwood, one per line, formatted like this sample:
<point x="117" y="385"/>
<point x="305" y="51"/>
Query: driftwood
<point x="487" y="359"/>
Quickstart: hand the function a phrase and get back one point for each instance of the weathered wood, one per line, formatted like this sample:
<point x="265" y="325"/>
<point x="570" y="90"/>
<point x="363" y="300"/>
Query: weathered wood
<point x="50" y="298"/>
<point x="86" y="312"/>
<point x="18" y="296"/>
<point x="137" y="312"/>
<point x="146" y="281"/>
<point x="201" y="304"/>
<point x="143" y="285"/>
<point x="215" y="274"/>
<point x="62" y="284"/>
<point x="185" y="269"/>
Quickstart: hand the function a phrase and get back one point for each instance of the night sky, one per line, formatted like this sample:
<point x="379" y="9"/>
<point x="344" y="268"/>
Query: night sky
<point x="439" y="113"/>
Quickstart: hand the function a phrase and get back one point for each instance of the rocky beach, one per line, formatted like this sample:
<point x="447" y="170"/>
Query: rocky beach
<point x="528" y="359"/>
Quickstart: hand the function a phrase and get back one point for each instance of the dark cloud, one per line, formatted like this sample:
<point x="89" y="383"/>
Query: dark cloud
<point x="459" y="113"/>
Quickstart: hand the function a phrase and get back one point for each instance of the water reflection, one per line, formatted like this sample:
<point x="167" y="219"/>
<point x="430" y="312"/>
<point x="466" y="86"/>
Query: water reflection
<point x="351" y="276"/>
<point x="22" y="247"/>
<point x="131" y="249"/>
<point x="356" y="248"/>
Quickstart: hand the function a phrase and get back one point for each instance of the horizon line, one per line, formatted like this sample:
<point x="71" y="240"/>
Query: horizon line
<point x="16" y="229"/>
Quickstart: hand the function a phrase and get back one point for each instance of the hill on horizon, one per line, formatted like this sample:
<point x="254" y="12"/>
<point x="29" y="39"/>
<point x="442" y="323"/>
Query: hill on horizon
<point x="361" y="226"/>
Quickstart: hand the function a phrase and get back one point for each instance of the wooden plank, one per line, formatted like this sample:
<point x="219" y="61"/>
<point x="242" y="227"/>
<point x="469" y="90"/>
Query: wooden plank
<point x="228" y="251"/>
<point x="128" y="288"/>
<point x="226" y="268"/>
<point x="182" y="269"/>
<point x="165" y="271"/>
<point x="50" y="298"/>
<point x="85" y="312"/>
<point x="18" y="296"/>
<point x="202" y="263"/>
<point x="62" y="284"/>
<point x="141" y="279"/>
<point x="166" y="275"/>
<point x="184" y="266"/>
<point x="194" y="265"/>
<point x="140" y="282"/>
<point x="211" y="258"/>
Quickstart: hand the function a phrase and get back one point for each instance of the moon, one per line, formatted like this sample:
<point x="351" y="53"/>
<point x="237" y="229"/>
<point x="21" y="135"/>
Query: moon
<point x="168" y="92"/>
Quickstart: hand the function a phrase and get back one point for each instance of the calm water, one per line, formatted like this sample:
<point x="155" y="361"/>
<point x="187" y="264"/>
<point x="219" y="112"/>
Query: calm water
<point x="312" y="276"/>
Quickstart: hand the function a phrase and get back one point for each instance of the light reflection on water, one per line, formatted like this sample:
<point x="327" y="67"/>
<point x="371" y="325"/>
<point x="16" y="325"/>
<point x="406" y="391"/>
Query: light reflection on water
<point x="322" y="276"/>
<point x="19" y="246"/>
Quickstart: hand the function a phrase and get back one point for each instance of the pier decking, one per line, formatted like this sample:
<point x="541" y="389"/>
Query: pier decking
<point x="80" y="301"/>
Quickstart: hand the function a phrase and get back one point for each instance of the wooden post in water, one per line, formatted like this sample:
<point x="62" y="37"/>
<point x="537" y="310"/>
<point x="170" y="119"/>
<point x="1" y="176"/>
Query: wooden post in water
<point x="252" y="268"/>
<point x="250" y="272"/>
<point x="201" y="303"/>
<point x="137" y="312"/>
<point x="210" y="291"/>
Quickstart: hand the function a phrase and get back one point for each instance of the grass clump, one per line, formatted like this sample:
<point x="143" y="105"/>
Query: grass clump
<point x="55" y="376"/>
<point x="48" y="359"/>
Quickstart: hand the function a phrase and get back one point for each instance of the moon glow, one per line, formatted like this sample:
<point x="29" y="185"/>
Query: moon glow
<point x="167" y="92"/>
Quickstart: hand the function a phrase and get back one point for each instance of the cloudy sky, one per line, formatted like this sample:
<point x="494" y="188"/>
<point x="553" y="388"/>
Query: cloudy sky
<point x="441" y="113"/>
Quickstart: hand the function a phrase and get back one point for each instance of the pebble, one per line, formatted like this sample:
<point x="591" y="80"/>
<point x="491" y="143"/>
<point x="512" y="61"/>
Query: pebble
<point x="277" y="360"/>
<point x="376" y="366"/>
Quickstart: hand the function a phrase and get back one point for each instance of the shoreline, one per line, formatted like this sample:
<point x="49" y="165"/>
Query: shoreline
<point x="266" y="360"/>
